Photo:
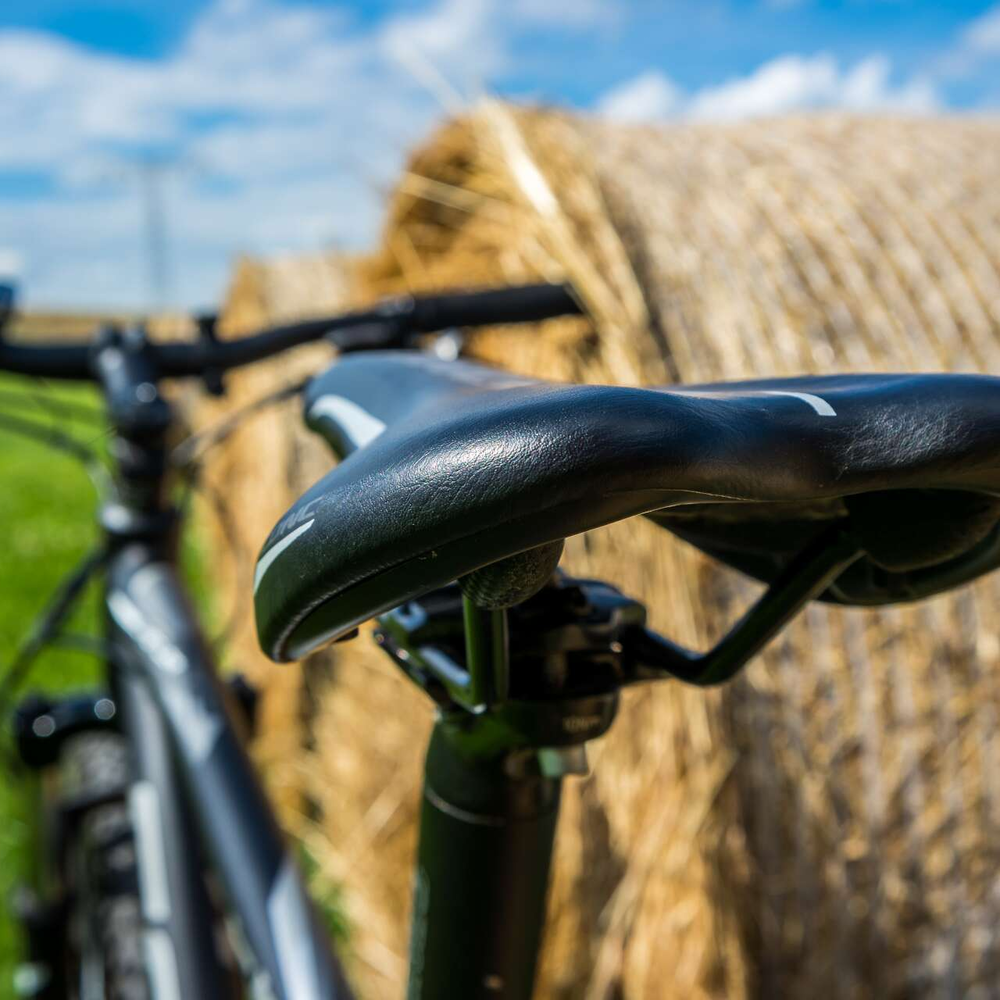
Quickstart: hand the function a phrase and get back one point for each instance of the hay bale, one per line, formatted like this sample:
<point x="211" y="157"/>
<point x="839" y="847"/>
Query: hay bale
<point x="267" y="461"/>
<point x="823" y="824"/>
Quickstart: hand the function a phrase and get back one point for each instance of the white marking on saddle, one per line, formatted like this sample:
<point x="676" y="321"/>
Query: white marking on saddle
<point x="265" y="561"/>
<point x="359" y="425"/>
<point x="820" y="405"/>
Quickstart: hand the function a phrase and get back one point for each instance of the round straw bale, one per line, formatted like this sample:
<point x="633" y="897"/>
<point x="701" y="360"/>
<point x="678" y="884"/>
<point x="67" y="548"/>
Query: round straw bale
<point x="823" y="825"/>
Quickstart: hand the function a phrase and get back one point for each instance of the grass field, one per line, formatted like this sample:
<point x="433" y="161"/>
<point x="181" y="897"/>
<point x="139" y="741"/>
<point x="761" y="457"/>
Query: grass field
<point x="47" y="506"/>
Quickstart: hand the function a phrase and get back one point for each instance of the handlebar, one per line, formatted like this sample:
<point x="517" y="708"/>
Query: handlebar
<point x="56" y="361"/>
<point x="392" y="323"/>
<point x="522" y="304"/>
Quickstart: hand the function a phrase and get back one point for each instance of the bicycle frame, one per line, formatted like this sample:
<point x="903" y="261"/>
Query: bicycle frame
<point x="192" y="774"/>
<point x="194" y="784"/>
<point x="493" y="776"/>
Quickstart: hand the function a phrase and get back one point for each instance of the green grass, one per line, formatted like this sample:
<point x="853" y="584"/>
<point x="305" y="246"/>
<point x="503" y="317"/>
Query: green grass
<point x="47" y="524"/>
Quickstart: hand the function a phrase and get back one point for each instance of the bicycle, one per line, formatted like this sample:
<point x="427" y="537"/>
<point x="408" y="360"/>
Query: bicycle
<point x="444" y="520"/>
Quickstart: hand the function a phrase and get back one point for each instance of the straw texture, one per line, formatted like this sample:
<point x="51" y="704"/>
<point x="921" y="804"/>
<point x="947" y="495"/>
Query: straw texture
<point x="823" y="826"/>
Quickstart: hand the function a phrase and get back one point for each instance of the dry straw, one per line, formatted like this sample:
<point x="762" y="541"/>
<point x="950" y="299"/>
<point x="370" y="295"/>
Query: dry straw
<point x="823" y="825"/>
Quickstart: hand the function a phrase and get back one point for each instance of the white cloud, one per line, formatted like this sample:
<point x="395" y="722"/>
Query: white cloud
<point x="868" y="87"/>
<point x="285" y="123"/>
<point x="465" y="43"/>
<point x="647" y="97"/>
<point x="11" y="263"/>
<point x="786" y="84"/>
<point x="798" y="83"/>
<point x="272" y="102"/>
<point x="982" y="36"/>
<point x="287" y="120"/>
<point x="458" y="38"/>
<point x="977" y="46"/>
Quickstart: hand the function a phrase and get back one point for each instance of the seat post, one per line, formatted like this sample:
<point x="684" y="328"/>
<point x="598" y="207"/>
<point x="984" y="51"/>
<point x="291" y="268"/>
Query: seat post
<point x="487" y="828"/>
<point x="519" y="693"/>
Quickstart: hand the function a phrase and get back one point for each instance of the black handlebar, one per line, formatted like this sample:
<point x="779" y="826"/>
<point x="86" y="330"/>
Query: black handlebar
<point x="523" y="304"/>
<point x="56" y="361"/>
<point x="390" y="324"/>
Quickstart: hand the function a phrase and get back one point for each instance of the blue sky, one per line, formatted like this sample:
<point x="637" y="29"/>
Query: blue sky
<point x="273" y="126"/>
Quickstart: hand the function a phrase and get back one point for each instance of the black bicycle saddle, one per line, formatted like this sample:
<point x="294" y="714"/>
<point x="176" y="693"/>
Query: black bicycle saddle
<point x="448" y="466"/>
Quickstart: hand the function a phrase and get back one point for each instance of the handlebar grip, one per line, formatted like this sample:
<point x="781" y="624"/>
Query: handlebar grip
<point x="55" y="360"/>
<point x="520" y="304"/>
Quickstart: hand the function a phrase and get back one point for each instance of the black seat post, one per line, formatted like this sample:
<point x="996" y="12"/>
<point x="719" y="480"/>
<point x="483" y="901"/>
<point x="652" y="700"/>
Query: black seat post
<point x="507" y="732"/>
<point x="487" y="829"/>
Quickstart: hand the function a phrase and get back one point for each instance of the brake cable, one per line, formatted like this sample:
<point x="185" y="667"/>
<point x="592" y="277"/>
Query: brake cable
<point x="55" y="438"/>
<point x="46" y="625"/>
<point x="193" y="448"/>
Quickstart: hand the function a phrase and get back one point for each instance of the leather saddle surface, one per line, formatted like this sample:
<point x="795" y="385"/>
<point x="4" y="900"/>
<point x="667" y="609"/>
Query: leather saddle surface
<point x="447" y="466"/>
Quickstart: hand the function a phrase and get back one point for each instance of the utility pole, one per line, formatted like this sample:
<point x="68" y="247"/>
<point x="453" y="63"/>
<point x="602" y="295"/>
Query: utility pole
<point x="151" y="175"/>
